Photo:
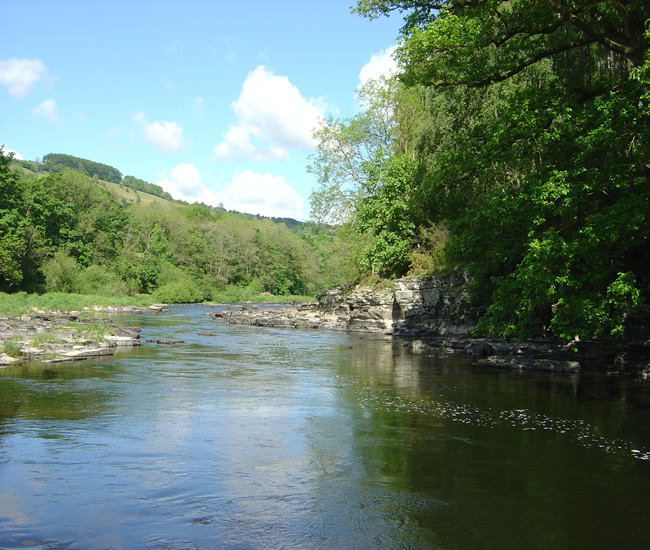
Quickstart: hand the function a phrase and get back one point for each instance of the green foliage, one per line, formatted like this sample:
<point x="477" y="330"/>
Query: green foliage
<point x="64" y="231"/>
<point x="179" y="292"/>
<point x="387" y="212"/>
<point x="12" y="348"/>
<point x="177" y="287"/>
<point x="12" y="224"/>
<point x="101" y="281"/>
<point x="61" y="273"/>
<point x="431" y="257"/>
<point x="57" y="163"/>
<point x="350" y="152"/>
<point x="533" y="152"/>
<point x="366" y="168"/>
<point x="136" y="184"/>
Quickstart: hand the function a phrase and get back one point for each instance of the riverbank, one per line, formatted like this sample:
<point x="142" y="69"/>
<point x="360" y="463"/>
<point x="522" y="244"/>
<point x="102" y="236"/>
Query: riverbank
<point x="23" y="303"/>
<point x="432" y="315"/>
<point x="53" y="336"/>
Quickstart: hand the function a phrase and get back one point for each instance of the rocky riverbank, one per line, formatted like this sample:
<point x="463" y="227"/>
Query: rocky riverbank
<point x="427" y="306"/>
<point x="56" y="337"/>
<point x="433" y="315"/>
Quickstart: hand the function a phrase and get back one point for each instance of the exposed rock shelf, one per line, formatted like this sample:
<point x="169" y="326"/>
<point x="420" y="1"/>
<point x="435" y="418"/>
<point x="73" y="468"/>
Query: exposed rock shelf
<point x="428" y="306"/>
<point x="433" y="314"/>
<point x="56" y="337"/>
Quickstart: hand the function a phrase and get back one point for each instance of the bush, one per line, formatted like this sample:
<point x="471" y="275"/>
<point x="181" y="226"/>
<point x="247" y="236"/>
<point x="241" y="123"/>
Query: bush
<point x="430" y="257"/>
<point x="183" y="291"/>
<point x="61" y="273"/>
<point x="177" y="287"/>
<point x="97" y="279"/>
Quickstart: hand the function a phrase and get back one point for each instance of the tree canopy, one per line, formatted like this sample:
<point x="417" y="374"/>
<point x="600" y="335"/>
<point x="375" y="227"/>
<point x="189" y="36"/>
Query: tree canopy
<point x="530" y="152"/>
<point x="66" y="232"/>
<point x="55" y="162"/>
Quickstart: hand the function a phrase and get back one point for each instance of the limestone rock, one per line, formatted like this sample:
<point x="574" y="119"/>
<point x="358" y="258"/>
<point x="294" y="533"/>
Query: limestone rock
<point x="433" y="306"/>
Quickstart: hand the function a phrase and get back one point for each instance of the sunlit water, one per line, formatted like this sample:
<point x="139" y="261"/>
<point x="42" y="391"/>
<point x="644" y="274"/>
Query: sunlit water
<point x="265" y="438"/>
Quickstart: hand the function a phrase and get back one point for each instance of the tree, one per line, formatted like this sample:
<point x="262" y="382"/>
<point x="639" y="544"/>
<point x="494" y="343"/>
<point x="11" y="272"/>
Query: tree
<point x="546" y="187"/>
<point x="365" y="167"/>
<point x="57" y="162"/>
<point x="12" y="224"/>
<point x="443" y="38"/>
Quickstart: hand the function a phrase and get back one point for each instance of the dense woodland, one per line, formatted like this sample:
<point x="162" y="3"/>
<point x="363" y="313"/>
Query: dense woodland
<point x="514" y="143"/>
<point x="65" y="231"/>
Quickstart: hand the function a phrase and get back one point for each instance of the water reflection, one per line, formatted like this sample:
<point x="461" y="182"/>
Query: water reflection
<point x="256" y="438"/>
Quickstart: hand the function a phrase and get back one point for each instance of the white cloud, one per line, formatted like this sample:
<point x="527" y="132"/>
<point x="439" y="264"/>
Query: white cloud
<point x="270" y="111"/>
<point x="185" y="183"/>
<point x="262" y="194"/>
<point x="380" y="64"/>
<point x="248" y="191"/>
<point x="20" y="75"/>
<point x="48" y="110"/>
<point x="237" y="145"/>
<point x="17" y="155"/>
<point x="166" y="136"/>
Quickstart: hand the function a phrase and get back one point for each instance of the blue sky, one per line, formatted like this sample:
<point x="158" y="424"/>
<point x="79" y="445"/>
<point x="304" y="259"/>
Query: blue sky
<point x="213" y="100"/>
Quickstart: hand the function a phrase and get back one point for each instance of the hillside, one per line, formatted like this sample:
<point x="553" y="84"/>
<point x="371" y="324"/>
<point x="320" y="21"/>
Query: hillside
<point x="131" y="190"/>
<point x="63" y="230"/>
<point x="30" y="170"/>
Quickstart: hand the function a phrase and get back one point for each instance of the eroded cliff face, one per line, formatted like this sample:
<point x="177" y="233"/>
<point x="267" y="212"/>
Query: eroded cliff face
<point x="433" y="314"/>
<point x="433" y="306"/>
<point x="425" y="306"/>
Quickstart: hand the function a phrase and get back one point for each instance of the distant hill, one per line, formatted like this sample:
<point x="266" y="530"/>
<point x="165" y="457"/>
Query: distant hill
<point x="129" y="189"/>
<point x="55" y="162"/>
<point x="65" y="231"/>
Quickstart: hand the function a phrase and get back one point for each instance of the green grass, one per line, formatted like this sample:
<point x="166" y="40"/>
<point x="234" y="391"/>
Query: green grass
<point x="131" y="196"/>
<point x="12" y="348"/>
<point x="21" y="302"/>
<point x="46" y="338"/>
<point x="91" y="331"/>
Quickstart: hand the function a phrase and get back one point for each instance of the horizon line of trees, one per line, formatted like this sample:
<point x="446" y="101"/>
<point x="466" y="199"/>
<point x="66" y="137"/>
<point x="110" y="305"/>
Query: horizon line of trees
<point x="58" y="162"/>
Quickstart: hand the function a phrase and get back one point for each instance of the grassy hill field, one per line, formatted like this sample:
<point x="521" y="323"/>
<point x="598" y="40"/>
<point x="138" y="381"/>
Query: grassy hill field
<point x="30" y="171"/>
<point x="129" y="196"/>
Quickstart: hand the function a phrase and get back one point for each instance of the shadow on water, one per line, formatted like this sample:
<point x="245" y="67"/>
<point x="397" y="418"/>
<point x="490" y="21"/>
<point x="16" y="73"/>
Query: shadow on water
<point x="245" y="437"/>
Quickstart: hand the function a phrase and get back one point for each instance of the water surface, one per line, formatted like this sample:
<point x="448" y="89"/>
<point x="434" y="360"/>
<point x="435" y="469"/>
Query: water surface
<point x="265" y="438"/>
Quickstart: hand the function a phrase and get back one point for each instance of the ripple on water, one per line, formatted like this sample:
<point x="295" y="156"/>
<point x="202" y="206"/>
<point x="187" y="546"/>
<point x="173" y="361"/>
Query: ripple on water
<point x="578" y="430"/>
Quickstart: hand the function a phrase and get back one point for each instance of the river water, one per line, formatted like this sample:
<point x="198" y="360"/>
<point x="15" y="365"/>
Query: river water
<point x="265" y="438"/>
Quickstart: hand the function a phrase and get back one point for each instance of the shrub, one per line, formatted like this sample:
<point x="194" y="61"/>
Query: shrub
<point x="183" y="291"/>
<point x="61" y="273"/>
<point x="12" y="348"/>
<point x="99" y="280"/>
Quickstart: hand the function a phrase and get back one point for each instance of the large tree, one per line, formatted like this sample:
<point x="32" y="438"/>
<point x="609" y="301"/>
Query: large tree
<point x="12" y="224"/>
<point x="546" y="186"/>
<point x="365" y="167"/>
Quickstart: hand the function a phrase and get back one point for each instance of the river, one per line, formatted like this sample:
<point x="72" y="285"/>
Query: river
<point x="247" y="437"/>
